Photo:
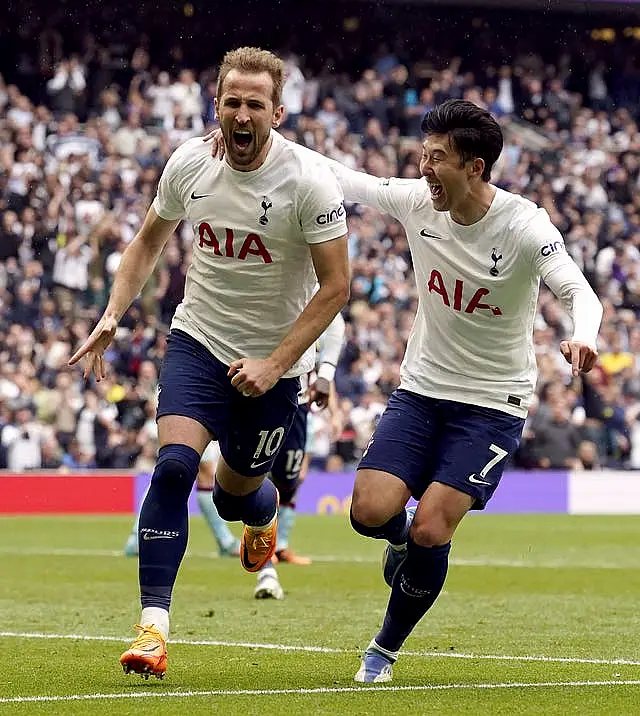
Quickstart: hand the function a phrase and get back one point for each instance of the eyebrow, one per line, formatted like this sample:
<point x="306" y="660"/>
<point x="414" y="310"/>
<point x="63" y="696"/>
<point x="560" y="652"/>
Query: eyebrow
<point x="236" y="98"/>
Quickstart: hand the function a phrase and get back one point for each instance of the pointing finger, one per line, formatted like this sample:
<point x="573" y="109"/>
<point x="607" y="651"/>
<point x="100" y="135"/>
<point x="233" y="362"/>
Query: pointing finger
<point x="81" y="352"/>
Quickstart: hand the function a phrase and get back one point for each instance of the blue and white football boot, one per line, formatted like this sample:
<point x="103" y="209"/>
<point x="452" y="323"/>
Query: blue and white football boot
<point x="377" y="665"/>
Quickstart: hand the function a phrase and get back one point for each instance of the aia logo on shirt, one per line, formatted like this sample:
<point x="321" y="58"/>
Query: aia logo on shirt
<point x="233" y="246"/>
<point x="453" y="298"/>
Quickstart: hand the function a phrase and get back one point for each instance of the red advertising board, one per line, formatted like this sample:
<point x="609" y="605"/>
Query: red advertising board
<point x="97" y="492"/>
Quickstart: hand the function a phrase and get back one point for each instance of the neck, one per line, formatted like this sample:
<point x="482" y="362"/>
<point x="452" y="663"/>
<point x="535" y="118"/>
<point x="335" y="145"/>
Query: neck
<point x="474" y="205"/>
<point x="257" y="162"/>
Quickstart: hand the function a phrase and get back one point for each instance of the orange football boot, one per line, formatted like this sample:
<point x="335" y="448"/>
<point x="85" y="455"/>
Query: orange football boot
<point x="258" y="544"/>
<point x="147" y="655"/>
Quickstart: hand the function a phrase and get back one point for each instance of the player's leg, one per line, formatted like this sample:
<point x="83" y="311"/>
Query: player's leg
<point x="228" y="545"/>
<point x="287" y="475"/>
<point x="163" y="534"/>
<point x="472" y="451"/>
<point x="191" y="387"/>
<point x="254" y="431"/>
<point x="393" y="466"/>
<point x="419" y="577"/>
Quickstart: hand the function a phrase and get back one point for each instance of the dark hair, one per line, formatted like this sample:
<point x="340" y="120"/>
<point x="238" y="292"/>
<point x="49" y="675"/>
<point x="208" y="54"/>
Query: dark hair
<point x="472" y="131"/>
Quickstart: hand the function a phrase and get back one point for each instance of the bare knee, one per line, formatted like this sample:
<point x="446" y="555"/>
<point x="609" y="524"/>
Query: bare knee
<point x="377" y="497"/>
<point x="432" y="529"/>
<point x="369" y="512"/>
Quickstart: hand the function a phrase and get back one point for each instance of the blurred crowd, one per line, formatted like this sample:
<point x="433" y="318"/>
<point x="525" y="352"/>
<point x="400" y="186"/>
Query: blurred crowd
<point x="85" y="135"/>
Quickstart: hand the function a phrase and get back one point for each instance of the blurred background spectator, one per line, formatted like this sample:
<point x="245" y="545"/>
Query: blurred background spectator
<point x="93" y="101"/>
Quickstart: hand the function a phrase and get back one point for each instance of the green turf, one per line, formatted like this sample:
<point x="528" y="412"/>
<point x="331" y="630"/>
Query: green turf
<point x="536" y="586"/>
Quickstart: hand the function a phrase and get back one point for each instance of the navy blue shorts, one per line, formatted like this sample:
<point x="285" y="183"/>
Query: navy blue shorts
<point x="250" y="431"/>
<point x="423" y="440"/>
<point x="288" y="462"/>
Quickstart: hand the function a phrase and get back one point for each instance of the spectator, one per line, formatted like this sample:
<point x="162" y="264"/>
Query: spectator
<point x="22" y="439"/>
<point x="66" y="87"/>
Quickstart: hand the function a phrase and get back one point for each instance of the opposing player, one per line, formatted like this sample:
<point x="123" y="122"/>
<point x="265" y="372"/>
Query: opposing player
<point x="469" y="371"/>
<point x="268" y="223"/>
<point x="228" y="545"/>
<point x="287" y="471"/>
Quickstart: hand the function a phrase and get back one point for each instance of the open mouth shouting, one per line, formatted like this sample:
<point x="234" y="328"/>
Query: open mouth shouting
<point x="242" y="138"/>
<point x="436" y="189"/>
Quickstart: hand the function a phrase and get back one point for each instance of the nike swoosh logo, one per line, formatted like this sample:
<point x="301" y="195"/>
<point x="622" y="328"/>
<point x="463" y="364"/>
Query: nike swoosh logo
<point x="195" y="196"/>
<point x="146" y="536"/>
<point x="150" y="649"/>
<point x="255" y="465"/>
<point x="475" y="480"/>
<point x="427" y="235"/>
<point x="246" y="560"/>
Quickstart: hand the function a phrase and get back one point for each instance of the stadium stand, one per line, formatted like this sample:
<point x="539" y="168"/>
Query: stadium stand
<point x="89" y="115"/>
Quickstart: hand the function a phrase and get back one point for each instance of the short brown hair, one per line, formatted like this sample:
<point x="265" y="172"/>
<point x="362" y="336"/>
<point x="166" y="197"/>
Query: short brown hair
<point x="254" y="60"/>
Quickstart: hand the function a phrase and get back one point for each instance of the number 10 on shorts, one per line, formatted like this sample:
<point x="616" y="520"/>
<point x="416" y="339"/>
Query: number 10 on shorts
<point x="269" y="443"/>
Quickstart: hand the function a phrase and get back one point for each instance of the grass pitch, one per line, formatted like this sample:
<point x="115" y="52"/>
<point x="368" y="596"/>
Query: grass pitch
<point x="540" y="615"/>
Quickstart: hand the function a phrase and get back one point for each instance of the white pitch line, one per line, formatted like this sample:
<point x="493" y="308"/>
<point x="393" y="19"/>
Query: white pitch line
<point x="328" y="558"/>
<point x="319" y="690"/>
<point x="327" y="649"/>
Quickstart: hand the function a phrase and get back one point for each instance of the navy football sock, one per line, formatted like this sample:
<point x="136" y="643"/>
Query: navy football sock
<point x="395" y="530"/>
<point x="415" y="588"/>
<point x="256" y="509"/>
<point x="164" y="523"/>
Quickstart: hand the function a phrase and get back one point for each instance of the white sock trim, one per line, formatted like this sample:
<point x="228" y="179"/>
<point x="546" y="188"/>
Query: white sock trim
<point x="157" y="617"/>
<point x="393" y="655"/>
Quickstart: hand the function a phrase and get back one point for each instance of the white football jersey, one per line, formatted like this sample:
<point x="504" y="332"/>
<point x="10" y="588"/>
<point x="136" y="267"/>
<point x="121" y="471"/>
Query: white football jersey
<point x="472" y="339"/>
<point x="251" y="275"/>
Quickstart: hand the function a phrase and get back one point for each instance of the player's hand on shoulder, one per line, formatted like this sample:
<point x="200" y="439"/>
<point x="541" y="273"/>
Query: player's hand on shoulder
<point x="217" y="142"/>
<point x="581" y="356"/>
<point x="319" y="392"/>
<point x="95" y="346"/>
<point x="253" y="377"/>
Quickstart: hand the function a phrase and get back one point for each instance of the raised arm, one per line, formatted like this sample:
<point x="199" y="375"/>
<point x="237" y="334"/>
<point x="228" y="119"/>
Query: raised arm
<point x="389" y="196"/>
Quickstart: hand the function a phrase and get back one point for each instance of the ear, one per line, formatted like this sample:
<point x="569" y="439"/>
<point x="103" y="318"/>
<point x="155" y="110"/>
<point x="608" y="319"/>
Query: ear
<point x="278" y="116"/>
<point x="476" y="167"/>
<point x="215" y="104"/>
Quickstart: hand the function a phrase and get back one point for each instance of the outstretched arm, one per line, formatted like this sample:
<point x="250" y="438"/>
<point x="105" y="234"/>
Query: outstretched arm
<point x="138" y="261"/>
<point x="389" y="196"/>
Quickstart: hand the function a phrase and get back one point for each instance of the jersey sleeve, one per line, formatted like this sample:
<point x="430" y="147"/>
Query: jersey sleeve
<point x="552" y="263"/>
<point x="168" y="203"/>
<point x="396" y="197"/>
<point x="320" y="208"/>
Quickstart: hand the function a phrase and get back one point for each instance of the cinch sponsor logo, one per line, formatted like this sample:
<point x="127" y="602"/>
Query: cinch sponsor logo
<point x="553" y="248"/>
<point x="330" y="216"/>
